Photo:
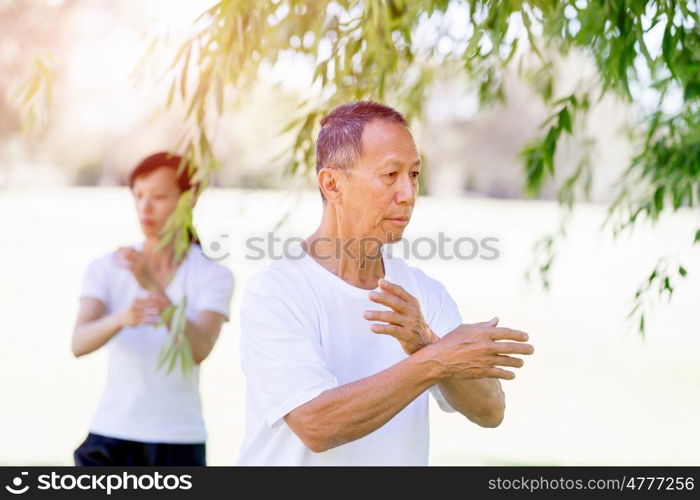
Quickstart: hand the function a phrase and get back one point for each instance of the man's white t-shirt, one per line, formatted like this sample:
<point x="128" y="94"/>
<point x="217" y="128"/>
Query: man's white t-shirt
<point x="141" y="402"/>
<point x="303" y="332"/>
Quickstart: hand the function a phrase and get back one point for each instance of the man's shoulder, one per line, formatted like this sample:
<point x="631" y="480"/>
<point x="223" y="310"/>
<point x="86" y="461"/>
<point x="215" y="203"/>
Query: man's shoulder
<point x="280" y="290"/>
<point x="279" y="279"/>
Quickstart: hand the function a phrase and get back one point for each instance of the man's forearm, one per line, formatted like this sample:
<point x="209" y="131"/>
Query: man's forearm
<point x="352" y="411"/>
<point x="481" y="400"/>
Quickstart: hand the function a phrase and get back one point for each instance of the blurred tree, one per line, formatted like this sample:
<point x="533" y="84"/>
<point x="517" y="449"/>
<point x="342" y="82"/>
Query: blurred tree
<point x="27" y="30"/>
<point x="392" y="50"/>
<point x="645" y="51"/>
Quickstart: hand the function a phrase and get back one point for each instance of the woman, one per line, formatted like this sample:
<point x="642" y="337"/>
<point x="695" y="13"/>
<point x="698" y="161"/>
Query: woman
<point x="147" y="416"/>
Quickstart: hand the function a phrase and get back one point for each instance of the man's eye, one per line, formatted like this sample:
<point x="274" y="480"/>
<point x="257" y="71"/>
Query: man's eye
<point x="391" y="174"/>
<point x="415" y="174"/>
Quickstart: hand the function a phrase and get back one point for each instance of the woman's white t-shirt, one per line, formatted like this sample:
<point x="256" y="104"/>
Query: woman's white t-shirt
<point x="302" y="333"/>
<point x="141" y="402"/>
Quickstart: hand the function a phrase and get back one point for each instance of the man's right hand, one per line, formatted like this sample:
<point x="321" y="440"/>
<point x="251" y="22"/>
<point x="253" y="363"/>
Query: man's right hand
<point x="477" y="350"/>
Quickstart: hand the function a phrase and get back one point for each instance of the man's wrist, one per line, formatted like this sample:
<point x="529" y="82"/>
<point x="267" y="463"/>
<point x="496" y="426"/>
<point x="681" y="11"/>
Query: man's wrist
<point x="430" y="366"/>
<point x="433" y="337"/>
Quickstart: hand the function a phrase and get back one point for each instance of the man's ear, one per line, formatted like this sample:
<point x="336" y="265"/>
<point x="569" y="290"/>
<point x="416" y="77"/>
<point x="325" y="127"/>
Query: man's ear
<point x="328" y="181"/>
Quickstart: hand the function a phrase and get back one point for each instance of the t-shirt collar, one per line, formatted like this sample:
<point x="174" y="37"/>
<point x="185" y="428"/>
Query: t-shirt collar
<point x="324" y="273"/>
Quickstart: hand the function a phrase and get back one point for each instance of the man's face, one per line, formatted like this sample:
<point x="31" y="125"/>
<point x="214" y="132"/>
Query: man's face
<point x="378" y="194"/>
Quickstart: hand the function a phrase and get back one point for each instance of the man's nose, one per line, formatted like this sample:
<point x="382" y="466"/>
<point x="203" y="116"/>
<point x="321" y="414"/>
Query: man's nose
<point x="406" y="191"/>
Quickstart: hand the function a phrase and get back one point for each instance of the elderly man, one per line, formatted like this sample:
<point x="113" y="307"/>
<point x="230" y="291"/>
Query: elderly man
<point x="341" y="343"/>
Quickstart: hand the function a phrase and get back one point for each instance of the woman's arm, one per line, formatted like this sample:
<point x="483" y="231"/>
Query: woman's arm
<point x="201" y="332"/>
<point x="93" y="328"/>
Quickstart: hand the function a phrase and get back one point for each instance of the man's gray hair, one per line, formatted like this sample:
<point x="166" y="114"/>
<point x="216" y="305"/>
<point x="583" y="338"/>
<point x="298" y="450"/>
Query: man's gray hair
<point x="339" y="143"/>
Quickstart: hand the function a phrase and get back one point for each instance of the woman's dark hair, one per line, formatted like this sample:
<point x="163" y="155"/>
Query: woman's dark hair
<point x="165" y="159"/>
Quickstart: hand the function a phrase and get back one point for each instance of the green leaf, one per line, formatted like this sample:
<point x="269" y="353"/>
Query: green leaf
<point x="183" y="73"/>
<point x="167" y="315"/>
<point x="29" y="122"/>
<point x="171" y="94"/>
<point x="31" y="90"/>
<point x="171" y="364"/>
<point x="652" y="276"/>
<point x="659" y="199"/>
<point x="219" y="96"/>
<point x="565" y="119"/>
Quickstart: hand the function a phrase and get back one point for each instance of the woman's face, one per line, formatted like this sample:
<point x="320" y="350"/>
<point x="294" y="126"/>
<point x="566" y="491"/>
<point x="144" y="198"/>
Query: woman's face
<point x="155" y="195"/>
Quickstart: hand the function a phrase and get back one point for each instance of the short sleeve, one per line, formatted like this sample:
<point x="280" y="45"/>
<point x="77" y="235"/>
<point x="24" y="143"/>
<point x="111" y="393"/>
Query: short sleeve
<point x="96" y="280"/>
<point x="440" y="399"/>
<point x="281" y="357"/>
<point x="444" y="315"/>
<point x="216" y="291"/>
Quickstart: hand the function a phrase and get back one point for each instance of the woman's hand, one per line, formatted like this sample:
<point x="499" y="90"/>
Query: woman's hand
<point x="137" y="264"/>
<point x="145" y="310"/>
